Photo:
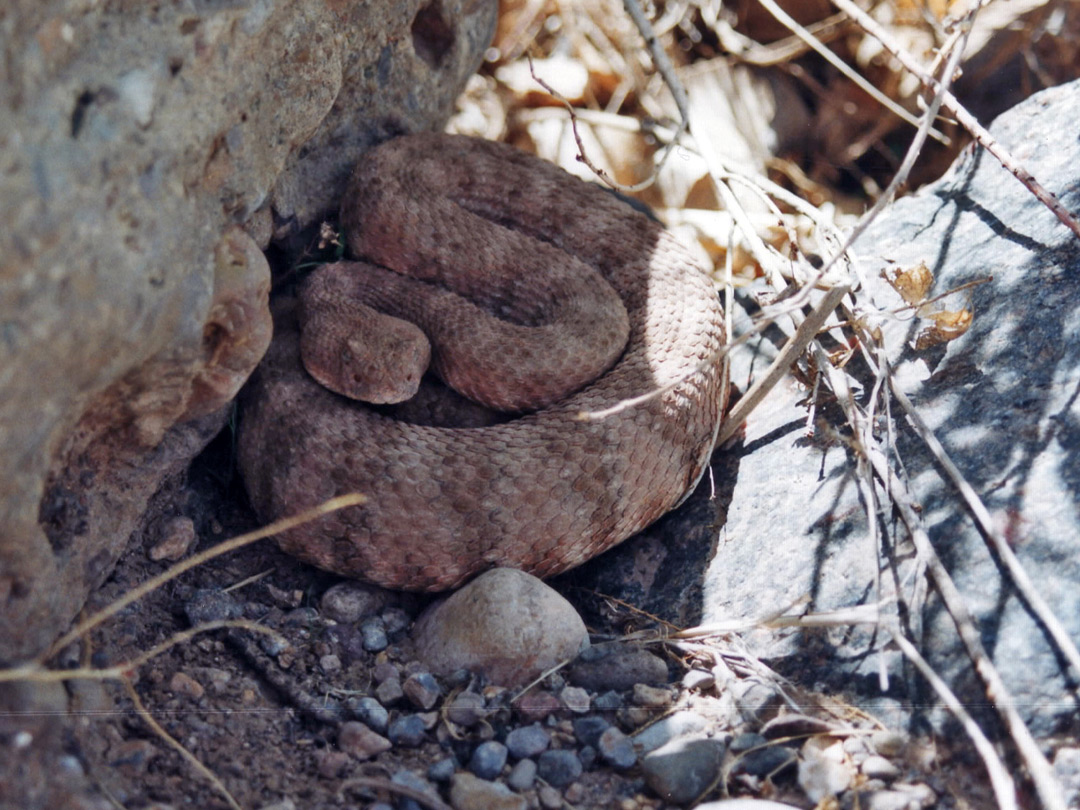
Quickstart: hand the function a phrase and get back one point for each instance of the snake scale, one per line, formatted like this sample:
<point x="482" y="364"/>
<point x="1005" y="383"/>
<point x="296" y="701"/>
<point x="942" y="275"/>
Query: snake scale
<point x="549" y="263"/>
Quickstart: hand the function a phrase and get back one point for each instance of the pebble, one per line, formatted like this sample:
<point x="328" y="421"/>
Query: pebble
<point x="877" y="767"/>
<point x="698" y="680"/>
<point x="443" y="770"/>
<point x="679" y="724"/>
<point x="505" y="624"/>
<point x="373" y="634"/>
<point x="176" y="537"/>
<point x="358" y="740"/>
<point x="407" y="778"/>
<point x="371" y="712"/>
<point x="558" y="768"/>
<point x="746" y="741"/>
<point x="384" y="670"/>
<point x="348" y="602"/>
<point x="408" y="730"/>
<point x="651" y="696"/>
<point x="389" y="692"/>
<point x="888" y="743"/>
<point x="422" y="690"/>
<point x="575" y="699"/>
<point x="608" y="701"/>
<point x="888" y="800"/>
<point x="537" y="705"/>
<point x="527" y="741"/>
<point x="330" y="664"/>
<point x="488" y="759"/>
<point x="616" y="749"/>
<point x="588" y="729"/>
<point x="469" y="792"/>
<point x="466" y="709"/>
<point x="755" y="699"/>
<point x="396" y="620"/>
<point x="550" y="798"/>
<point x="617" y="666"/>
<point x="331" y="764"/>
<point x="587" y="756"/>
<point x="683" y="769"/>
<point x="522" y="775"/>
<point x="183" y="684"/>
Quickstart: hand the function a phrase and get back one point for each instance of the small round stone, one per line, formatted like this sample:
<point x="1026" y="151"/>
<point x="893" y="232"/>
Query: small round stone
<point x="348" y="602"/>
<point x="371" y="712"/>
<point x="877" y="767"/>
<point x="395" y="620"/>
<point x="422" y="690"/>
<point x="616" y="749"/>
<point x="558" y="768"/>
<point x="466" y="709"/>
<point x="528" y="741"/>
<point x="488" y="759"/>
<point x="522" y="775"/>
<point x="358" y="740"/>
<point x="373" y="632"/>
<point x="682" y="770"/>
<point x="389" y="692"/>
<point x="443" y="770"/>
<point x="407" y="731"/>
<point x="471" y="793"/>
<point x="575" y="699"/>
<point x="587" y="730"/>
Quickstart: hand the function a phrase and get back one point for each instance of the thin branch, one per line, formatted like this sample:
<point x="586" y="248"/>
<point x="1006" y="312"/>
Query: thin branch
<point x="965" y="119"/>
<point x="175" y="744"/>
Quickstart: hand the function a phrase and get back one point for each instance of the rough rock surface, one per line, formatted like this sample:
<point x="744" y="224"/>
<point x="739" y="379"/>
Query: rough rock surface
<point x="145" y="155"/>
<point x="1003" y="401"/>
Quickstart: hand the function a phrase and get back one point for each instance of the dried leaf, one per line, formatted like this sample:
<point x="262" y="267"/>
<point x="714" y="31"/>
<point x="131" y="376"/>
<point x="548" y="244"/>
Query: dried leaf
<point x="948" y="325"/>
<point x="913" y="284"/>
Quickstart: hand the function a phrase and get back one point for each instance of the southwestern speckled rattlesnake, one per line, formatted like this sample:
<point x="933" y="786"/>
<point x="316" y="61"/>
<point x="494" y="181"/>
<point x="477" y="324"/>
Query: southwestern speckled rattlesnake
<point x="543" y="491"/>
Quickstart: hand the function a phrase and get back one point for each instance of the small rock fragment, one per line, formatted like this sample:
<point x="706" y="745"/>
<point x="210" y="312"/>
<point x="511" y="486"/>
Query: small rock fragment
<point x="443" y="770"/>
<point x="468" y="792"/>
<point x="616" y="749"/>
<point x="348" y="602"/>
<point x="331" y="764"/>
<point x="371" y="712"/>
<point x="373" y="633"/>
<point x="389" y="692"/>
<point x="422" y="690"/>
<point x="537" y="705"/>
<point x="488" y="759"/>
<point x="587" y="730"/>
<point x="522" y="775"/>
<point x="651" y="696"/>
<point x="183" y="684"/>
<point x="877" y="767"/>
<point x="698" y="680"/>
<point x="177" y="536"/>
<point x="558" y="768"/>
<point x="575" y="699"/>
<point x="683" y="769"/>
<point x="356" y="739"/>
<point x="794" y="725"/>
<point x="527" y="741"/>
<point x="466" y="709"/>
<point x="617" y="666"/>
<point x="407" y="731"/>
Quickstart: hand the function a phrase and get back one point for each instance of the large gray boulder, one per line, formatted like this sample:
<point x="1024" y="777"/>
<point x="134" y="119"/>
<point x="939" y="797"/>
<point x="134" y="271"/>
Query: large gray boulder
<point x="1003" y="400"/>
<point x="146" y="155"/>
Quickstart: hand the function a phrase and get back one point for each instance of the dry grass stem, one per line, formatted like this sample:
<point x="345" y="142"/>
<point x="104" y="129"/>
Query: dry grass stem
<point x="191" y="759"/>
